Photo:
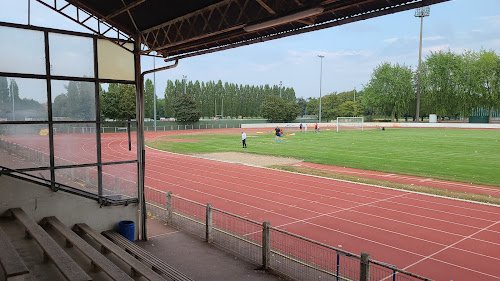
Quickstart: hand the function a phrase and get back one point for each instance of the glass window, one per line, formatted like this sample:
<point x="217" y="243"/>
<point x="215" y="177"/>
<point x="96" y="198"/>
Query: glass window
<point x="115" y="143"/>
<point x="114" y="62"/>
<point x="120" y="180"/>
<point x="84" y="178"/>
<point x="22" y="51"/>
<point x="30" y="99"/>
<point x="24" y="146"/>
<point x="74" y="143"/>
<point x="71" y="55"/>
<point x="73" y="101"/>
<point x="117" y="101"/>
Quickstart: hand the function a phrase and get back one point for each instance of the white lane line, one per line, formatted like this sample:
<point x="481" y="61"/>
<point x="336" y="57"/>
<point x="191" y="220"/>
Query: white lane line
<point x="451" y="246"/>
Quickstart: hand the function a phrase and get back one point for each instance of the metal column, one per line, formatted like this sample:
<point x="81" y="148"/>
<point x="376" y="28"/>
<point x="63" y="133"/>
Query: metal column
<point x="139" y="87"/>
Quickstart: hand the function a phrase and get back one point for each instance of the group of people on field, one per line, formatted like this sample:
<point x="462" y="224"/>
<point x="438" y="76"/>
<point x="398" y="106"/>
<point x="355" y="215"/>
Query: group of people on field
<point x="278" y="133"/>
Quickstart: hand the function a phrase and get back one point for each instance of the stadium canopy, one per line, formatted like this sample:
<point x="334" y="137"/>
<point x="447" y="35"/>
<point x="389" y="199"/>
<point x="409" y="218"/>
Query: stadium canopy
<point x="176" y="29"/>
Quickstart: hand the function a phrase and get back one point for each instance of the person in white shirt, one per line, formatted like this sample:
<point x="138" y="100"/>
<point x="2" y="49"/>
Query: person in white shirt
<point x="244" y="139"/>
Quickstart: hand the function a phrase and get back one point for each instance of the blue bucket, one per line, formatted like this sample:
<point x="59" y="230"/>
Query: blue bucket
<point x="127" y="229"/>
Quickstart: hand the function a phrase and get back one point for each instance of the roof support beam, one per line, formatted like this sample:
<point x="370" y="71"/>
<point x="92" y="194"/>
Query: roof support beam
<point x="125" y="9"/>
<point x="213" y="20"/>
<point x="120" y="36"/>
<point x="194" y="50"/>
<point x="265" y="6"/>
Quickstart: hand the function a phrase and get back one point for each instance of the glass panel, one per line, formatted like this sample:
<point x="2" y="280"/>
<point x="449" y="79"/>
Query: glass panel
<point x="120" y="180"/>
<point x="30" y="99"/>
<point x="114" y="62"/>
<point x="14" y="11"/>
<point x="115" y="146"/>
<point x="24" y="146"/>
<point x="71" y="55"/>
<point x="74" y="144"/>
<point x="80" y="178"/>
<point x="73" y="101"/>
<point x="117" y="101"/>
<point x="21" y="51"/>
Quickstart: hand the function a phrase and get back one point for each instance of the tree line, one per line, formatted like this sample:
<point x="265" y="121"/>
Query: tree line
<point x="13" y="107"/>
<point x="452" y="85"/>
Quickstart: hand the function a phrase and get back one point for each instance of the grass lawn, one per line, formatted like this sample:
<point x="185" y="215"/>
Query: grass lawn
<point x="458" y="155"/>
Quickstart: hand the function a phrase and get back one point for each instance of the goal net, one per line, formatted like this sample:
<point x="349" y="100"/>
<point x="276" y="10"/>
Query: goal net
<point x="350" y="123"/>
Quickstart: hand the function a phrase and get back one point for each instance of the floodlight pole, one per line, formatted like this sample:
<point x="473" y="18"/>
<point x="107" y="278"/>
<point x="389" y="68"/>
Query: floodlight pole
<point x="320" y="80"/>
<point x="13" y="98"/>
<point x="154" y="93"/>
<point x="280" y="87"/>
<point x="420" y="13"/>
<point x="184" y="77"/>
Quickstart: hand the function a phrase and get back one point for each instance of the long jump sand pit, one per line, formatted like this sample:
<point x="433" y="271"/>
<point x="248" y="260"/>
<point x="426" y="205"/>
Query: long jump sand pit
<point x="249" y="158"/>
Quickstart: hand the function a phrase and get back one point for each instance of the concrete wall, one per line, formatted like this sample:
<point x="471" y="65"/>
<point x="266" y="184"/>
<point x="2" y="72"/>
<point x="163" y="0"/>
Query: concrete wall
<point x="39" y="202"/>
<point x="380" y="124"/>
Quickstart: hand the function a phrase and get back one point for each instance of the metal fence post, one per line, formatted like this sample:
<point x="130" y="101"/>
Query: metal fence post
<point x="364" y="271"/>
<point x="208" y="234"/>
<point x="87" y="176"/>
<point x="338" y="266"/>
<point x="266" y="244"/>
<point x="169" y="207"/>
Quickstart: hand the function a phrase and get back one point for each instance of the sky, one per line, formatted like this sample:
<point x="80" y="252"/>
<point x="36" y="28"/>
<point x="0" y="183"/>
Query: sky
<point x="351" y="52"/>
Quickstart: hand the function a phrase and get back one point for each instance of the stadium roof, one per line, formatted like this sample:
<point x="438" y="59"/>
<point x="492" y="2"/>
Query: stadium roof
<point x="183" y="28"/>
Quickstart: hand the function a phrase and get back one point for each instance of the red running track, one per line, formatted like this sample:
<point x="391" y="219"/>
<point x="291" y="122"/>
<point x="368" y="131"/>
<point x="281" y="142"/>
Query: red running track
<point x="440" y="238"/>
<point x="435" y="183"/>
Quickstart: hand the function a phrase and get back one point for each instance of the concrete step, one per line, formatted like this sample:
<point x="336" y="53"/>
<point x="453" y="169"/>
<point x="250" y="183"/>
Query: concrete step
<point x="55" y="252"/>
<point x="51" y="250"/>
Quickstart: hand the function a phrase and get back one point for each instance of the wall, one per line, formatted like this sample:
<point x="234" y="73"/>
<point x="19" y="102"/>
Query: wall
<point x="39" y="202"/>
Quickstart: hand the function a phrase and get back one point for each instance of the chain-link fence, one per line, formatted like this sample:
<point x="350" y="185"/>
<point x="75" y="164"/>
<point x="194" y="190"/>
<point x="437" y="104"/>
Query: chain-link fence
<point x="287" y="254"/>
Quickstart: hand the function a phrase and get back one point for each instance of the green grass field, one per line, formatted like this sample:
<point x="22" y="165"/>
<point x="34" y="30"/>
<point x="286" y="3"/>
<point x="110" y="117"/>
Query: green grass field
<point x="459" y="155"/>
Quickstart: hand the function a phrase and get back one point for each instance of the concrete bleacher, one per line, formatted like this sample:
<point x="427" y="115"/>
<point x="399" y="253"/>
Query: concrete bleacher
<point x="50" y="250"/>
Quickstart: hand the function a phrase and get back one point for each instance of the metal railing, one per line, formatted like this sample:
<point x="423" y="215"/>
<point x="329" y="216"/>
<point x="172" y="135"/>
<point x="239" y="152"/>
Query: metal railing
<point x="68" y="174"/>
<point x="103" y="200"/>
<point x="274" y="249"/>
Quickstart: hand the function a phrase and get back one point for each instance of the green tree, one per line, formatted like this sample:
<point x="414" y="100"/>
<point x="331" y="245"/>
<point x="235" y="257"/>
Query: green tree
<point x="330" y="107"/>
<point x="441" y="74"/>
<point x="275" y="109"/>
<point x="302" y="103"/>
<point x="390" y="90"/>
<point x="292" y="110"/>
<point x="160" y="108"/>
<point x="350" y="109"/>
<point x="78" y="103"/>
<point x="149" y="99"/>
<point x="118" y="102"/>
<point x="312" y="107"/>
<point x="4" y="90"/>
<point x="186" y="109"/>
<point x="488" y="80"/>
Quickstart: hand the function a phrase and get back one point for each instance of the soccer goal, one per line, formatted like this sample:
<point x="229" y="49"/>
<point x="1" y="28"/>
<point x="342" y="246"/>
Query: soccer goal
<point x="350" y="123"/>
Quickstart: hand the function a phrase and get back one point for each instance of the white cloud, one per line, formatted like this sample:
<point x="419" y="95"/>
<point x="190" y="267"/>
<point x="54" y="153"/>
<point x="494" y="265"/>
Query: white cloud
<point x="436" y="48"/>
<point x="391" y="40"/>
<point x="493" y="44"/>
<point x="433" y="38"/>
<point x="300" y="58"/>
<point x="492" y="20"/>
